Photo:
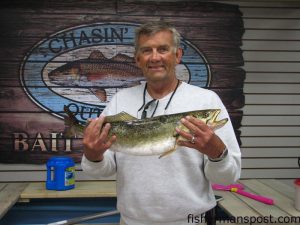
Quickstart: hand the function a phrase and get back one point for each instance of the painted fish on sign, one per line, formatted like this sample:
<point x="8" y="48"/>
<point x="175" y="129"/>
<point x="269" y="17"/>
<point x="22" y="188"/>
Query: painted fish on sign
<point x="97" y="73"/>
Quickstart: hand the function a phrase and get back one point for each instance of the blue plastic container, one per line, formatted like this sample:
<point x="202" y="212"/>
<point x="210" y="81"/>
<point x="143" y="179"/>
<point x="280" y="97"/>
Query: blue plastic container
<point x="60" y="174"/>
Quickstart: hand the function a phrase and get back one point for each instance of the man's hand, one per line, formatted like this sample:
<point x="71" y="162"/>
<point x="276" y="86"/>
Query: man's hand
<point x="201" y="137"/>
<point x="96" y="140"/>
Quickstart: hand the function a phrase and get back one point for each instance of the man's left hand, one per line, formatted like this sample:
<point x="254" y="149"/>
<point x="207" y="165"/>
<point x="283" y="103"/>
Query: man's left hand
<point x="201" y="137"/>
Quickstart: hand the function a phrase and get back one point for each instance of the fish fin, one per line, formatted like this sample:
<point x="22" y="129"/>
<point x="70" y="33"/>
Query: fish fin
<point x="168" y="152"/>
<point x="180" y="138"/>
<point x="122" y="58"/>
<point x="96" y="54"/>
<point x="70" y="119"/>
<point x="183" y="128"/>
<point x="122" y="116"/>
<point x="175" y="134"/>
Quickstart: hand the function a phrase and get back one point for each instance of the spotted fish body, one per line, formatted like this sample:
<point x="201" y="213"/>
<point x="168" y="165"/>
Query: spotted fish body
<point x="150" y="136"/>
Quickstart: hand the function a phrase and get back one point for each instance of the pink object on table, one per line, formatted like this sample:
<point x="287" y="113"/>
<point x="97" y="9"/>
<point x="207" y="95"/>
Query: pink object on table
<point x="227" y="187"/>
<point x="238" y="188"/>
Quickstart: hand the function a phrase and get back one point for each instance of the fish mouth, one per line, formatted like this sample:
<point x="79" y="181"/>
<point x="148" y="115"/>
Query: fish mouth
<point x="214" y="123"/>
<point x="215" y="115"/>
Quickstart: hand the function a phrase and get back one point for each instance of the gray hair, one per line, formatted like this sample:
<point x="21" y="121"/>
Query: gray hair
<point x="154" y="27"/>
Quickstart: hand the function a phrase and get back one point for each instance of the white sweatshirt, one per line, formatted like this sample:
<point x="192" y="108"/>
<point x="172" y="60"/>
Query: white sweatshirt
<point x="165" y="191"/>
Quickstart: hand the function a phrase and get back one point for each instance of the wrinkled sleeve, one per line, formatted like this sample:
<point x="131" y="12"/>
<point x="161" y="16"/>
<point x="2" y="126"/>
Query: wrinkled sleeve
<point x="228" y="170"/>
<point x="107" y="166"/>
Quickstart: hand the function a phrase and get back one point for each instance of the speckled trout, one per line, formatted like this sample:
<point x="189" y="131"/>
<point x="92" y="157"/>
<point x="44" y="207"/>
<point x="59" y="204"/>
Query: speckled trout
<point x="150" y="136"/>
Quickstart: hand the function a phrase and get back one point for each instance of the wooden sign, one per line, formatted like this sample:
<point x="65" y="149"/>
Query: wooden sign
<point x="81" y="58"/>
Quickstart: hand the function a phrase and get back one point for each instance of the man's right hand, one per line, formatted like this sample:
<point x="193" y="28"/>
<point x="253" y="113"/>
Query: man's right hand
<point x="96" y="140"/>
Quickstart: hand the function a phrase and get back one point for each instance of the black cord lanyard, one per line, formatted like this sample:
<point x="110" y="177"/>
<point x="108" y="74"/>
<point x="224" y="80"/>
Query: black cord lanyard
<point x="146" y="106"/>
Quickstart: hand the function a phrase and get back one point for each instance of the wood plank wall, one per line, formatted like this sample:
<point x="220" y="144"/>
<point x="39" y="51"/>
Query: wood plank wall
<point x="271" y="122"/>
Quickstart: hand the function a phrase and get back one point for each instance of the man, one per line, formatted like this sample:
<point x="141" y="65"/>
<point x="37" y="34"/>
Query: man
<point x="176" y="188"/>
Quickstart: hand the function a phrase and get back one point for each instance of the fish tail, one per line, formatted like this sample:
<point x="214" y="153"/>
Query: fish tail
<point x="99" y="93"/>
<point x="71" y="124"/>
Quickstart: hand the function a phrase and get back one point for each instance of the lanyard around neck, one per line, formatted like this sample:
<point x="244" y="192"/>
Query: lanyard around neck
<point x="145" y="106"/>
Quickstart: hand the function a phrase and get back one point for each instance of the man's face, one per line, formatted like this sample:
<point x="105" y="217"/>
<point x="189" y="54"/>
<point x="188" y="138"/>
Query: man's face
<point x="156" y="56"/>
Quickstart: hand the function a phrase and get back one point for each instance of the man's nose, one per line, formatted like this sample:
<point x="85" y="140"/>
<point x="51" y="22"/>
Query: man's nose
<point x="155" y="56"/>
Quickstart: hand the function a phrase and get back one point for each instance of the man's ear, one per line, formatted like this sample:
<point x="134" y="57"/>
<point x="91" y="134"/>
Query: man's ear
<point x="179" y="54"/>
<point x="137" y="60"/>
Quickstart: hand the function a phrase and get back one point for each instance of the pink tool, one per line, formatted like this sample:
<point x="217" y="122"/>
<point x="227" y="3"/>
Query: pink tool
<point x="238" y="188"/>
